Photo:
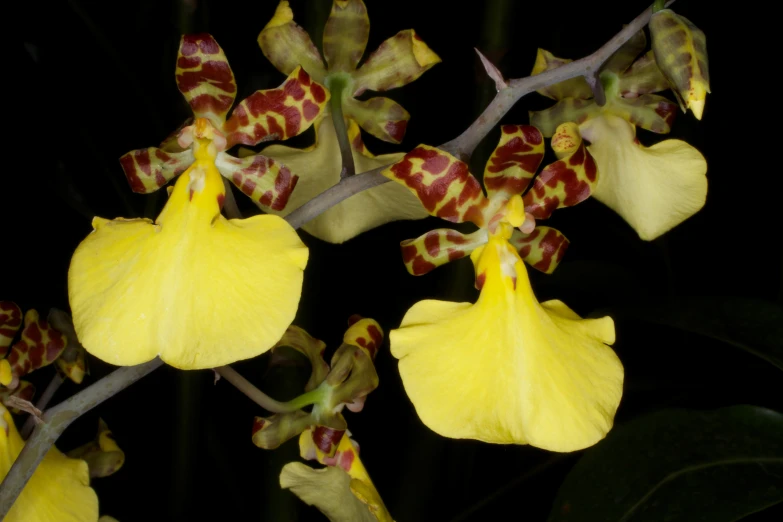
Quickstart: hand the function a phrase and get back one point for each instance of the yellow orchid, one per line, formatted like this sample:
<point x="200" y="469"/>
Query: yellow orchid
<point x="58" y="491"/>
<point x="505" y="369"/>
<point x="397" y="61"/>
<point x="193" y="287"/>
<point x="508" y="369"/>
<point x="654" y="189"/>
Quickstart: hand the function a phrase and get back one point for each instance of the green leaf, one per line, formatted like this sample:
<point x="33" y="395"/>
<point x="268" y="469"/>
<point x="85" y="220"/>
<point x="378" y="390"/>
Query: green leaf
<point x="679" y="465"/>
<point x="751" y="324"/>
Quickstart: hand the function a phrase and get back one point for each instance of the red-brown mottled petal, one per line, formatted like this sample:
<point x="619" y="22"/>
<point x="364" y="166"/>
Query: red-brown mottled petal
<point x="204" y="77"/>
<point x="514" y="161"/>
<point x="149" y="169"/>
<point x="442" y="183"/>
<point x="10" y="321"/>
<point x="262" y="179"/>
<point x="543" y="249"/>
<point x="438" y="247"/>
<point x="39" y="345"/>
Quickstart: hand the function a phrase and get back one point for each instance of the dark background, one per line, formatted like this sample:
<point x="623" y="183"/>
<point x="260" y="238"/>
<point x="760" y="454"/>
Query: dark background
<point x="98" y="80"/>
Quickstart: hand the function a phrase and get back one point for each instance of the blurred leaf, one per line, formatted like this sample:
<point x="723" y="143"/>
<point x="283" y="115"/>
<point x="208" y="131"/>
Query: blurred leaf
<point x="679" y="465"/>
<point x="751" y="324"/>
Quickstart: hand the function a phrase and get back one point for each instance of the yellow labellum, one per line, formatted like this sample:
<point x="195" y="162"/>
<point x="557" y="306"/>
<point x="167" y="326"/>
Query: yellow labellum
<point x="653" y="188"/>
<point x="58" y="491"/>
<point x="193" y="287"/>
<point x="508" y="369"/>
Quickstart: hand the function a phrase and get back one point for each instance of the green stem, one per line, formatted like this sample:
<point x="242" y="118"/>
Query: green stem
<point x="658" y="5"/>
<point x="337" y="86"/>
<point x="264" y="400"/>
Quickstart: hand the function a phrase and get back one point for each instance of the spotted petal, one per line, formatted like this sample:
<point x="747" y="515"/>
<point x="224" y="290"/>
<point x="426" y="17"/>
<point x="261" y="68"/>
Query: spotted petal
<point x="643" y="77"/>
<point x="648" y="111"/>
<point x="345" y="35"/>
<point x="681" y="52"/>
<point x="204" y="77"/>
<point x="287" y="45"/>
<point x="398" y="61"/>
<point x="10" y="321"/>
<point x="384" y="118"/>
<point x="653" y="188"/>
<point x="565" y="182"/>
<point x="514" y="161"/>
<point x="438" y="247"/>
<point x="566" y="110"/>
<point x="312" y="348"/>
<point x="543" y="249"/>
<point x="277" y="114"/>
<point x="39" y="346"/>
<point x="149" y="169"/>
<point x="365" y="333"/>
<point x="442" y="183"/>
<point x="626" y="54"/>
<point x="260" y="178"/>
<point x="573" y="88"/>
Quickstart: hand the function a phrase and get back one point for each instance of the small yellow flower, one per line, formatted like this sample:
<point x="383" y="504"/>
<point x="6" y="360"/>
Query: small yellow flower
<point x="193" y="287"/>
<point x="508" y="369"/>
<point x="58" y="491"/>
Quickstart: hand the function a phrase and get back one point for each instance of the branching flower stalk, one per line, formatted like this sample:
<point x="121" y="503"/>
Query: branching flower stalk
<point x="56" y="419"/>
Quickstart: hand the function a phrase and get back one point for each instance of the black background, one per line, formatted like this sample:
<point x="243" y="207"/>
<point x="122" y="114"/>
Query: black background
<point x="98" y="80"/>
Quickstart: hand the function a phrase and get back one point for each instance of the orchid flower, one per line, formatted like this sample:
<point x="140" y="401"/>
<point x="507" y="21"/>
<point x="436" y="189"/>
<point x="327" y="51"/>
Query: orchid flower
<point x="398" y="61"/>
<point x="654" y="189"/>
<point x="506" y="369"/>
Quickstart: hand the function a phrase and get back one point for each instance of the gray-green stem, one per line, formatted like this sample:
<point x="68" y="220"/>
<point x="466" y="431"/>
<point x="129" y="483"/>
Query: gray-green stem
<point x="338" y="84"/>
<point x="264" y="400"/>
<point x="57" y="419"/>
<point x="463" y="146"/>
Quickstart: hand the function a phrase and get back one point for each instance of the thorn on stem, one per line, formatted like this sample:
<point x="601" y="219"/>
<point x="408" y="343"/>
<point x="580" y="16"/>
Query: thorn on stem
<point x="492" y="71"/>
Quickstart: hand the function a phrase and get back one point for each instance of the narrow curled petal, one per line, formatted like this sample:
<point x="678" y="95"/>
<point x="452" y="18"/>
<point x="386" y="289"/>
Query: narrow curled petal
<point x="345" y="35"/>
<point x="564" y="111"/>
<point x="140" y="289"/>
<point x="508" y="369"/>
<point x="312" y="348"/>
<point x="328" y="489"/>
<point x="648" y="111"/>
<point x="287" y="45"/>
<point x="39" y="346"/>
<point x="318" y="168"/>
<point x="10" y="321"/>
<point x="643" y="77"/>
<point x="384" y="118"/>
<point x="365" y="333"/>
<point x="277" y="114"/>
<point x="103" y="456"/>
<point x="398" y="61"/>
<point x="543" y="249"/>
<point x="442" y="183"/>
<point x="149" y="169"/>
<point x="271" y="432"/>
<point x="438" y="247"/>
<point x="626" y="54"/>
<point x="72" y="363"/>
<point x="25" y="391"/>
<point x="573" y="88"/>
<point x="514" y="161"/>
<point x="681" y="52"/>
<point x="565" y="182"/>
<point x="58" y="491"/>
<point x="204" y="77"/>
<point x="654" y="189"/>
<point x="262" y="179"/>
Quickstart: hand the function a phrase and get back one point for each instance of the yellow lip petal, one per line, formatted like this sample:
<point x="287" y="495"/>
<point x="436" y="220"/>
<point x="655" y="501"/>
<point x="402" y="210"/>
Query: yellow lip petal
<point x="318" y="169"/>
<point x="197" y="289"/>
<point x="59" y="490"/>
<point x="653" y="188"/>
<point x="508" y="369"/>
